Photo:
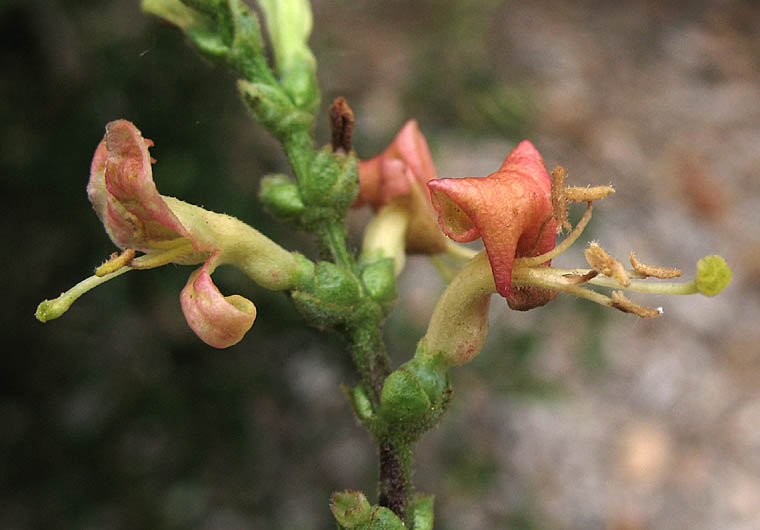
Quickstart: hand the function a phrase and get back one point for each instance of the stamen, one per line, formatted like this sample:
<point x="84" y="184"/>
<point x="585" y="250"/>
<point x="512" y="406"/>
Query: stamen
<point x="559" y="249"/>
<point x="457" y="250"/>
<point x="541" y="233"/>
<point x="645" y="271"/>
<point x="115" y="262"/>
<point x="149" y="261"/>
<point x="559" y="200"/>
<point x="594" y="193"/>
<point x="446" y="271"/>
<point x="598" y="258"/>
<point x="642" y="286"/>
<point x="619" y="301"/>
<point x="546" y="277"/>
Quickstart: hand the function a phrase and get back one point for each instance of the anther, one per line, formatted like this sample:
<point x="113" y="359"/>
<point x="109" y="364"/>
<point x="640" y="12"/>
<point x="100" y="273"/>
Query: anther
<point x="598" y="258"/>
<point x="619" y="301"/>
<point x="647" y="271"/>
<point x="115" y="262"/>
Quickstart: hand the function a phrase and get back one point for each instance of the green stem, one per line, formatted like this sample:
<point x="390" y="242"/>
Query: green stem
<point x="332" y="236"/>
<point x="299" y="148"/>
<point x="369" y="354"/>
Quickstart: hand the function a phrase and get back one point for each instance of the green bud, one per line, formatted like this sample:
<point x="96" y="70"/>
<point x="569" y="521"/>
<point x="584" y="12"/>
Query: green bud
<point x="230" y="32"/>
<point x="273" y="109"/>
<point x="421" y="514"/>
<point x="174" y="12"/>
<point x="280" y="196"/>
<point x="431" y="371"/>
<point x="335" y="285"/>
<point x="713" y="275"/>
<point x="362" y="403"/>
<point x="350" y="508"/>
<point x="333" y="297"/>
<point x="379" y="279"/>
<point x="332" y="183"/>
<point x="403" y="403"/>
<point x="289" y="23"/>
<point x="384" y="519"/>
<point x="300" y="83"/>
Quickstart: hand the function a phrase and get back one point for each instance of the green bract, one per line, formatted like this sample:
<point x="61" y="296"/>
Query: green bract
<point x="280" y="196"/>
<point x="350" y="508"/>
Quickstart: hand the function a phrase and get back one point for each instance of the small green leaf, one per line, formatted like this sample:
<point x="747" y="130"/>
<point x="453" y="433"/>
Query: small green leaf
<point x="384" y="519"/>
<point x="281" y="197"/>
<point x="379" y="279"/>
<point x="350" y="508"/>
<point x="422" y="513"/>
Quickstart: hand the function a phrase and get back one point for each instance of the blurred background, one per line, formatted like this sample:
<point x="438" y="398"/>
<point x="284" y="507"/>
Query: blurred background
<point x="117" y="417"/>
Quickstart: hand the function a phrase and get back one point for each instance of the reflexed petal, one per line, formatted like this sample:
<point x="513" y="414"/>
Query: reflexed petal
<point x="220" y="321"/>
<point x="399" y="175"/>
<point x="510" y="209"/>
<point x="406" y="162"/>
<point x="122" y="191"/>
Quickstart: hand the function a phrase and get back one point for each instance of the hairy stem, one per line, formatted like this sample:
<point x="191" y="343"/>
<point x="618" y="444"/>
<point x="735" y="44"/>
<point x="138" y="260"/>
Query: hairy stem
<point x="332" y="236"/>
<point x="395" y="477"/>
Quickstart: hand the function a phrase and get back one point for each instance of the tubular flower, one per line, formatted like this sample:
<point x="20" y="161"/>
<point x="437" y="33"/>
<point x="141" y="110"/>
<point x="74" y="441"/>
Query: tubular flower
<point x="394" y="184"/>
<point x="167" y="230"/>
<point x="518" y="211"/>
<point x="511" y="210"/>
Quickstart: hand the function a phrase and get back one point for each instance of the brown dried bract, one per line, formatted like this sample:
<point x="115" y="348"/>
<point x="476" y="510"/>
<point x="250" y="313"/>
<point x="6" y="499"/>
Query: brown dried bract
<point x="619" y="301"/>
<point x="647" y="271"/>
<point x="578" y="279"/>
<point x="594" y="193"/>
<point x="599" y="260"/>
<point x="341" y="124"/>
<point x="115" y="262"/>
<point x="559" y="201"/>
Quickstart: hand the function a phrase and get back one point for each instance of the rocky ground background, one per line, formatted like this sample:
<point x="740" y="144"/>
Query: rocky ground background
<point x="573" y="417"/>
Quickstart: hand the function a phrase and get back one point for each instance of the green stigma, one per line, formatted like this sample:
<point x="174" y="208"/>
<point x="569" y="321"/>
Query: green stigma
<point x="713" y="275"/>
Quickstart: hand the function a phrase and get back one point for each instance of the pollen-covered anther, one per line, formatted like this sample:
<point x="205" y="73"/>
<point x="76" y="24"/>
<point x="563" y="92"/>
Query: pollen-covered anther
<point x="593" y="193"/>
<point x="619" y="301"/>
<point x="599" y="260"/>
<point x="559" y="200"/>
<point x="649" y="271"/>
<point x="115" y="262"/>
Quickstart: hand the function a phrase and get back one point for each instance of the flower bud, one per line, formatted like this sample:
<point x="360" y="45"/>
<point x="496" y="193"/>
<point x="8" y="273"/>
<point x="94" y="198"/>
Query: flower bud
<point x="280" y="196"/>
<point x="289" y="24"/>
<point x="175" y="12"/>
<point x="331" y="184"/>
<point x="332" y="297"/>
<point x="380" y="281"/>
<point x="273" y="108"/>
<point x="404" y="404"/>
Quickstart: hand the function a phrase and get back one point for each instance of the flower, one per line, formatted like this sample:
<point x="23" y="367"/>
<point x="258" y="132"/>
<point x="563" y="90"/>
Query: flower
<point x="167" y="230"/>
<point x="518" y="211"/>
<point x="511" y="210"/>
<point x="394" y="182"/>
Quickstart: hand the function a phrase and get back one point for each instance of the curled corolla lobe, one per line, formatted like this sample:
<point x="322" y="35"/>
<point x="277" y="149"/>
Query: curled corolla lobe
<point x="511" y="210"/>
